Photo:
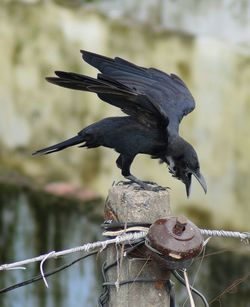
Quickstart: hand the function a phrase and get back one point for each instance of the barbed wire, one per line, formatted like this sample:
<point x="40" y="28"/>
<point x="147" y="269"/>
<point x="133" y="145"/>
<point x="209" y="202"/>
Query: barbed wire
<point x="244" y="236"/>
<point x="47" y="274"/>
<point x="127" y="237"/>
<point x="133" y="235"/>
<point x="120" y="238"/>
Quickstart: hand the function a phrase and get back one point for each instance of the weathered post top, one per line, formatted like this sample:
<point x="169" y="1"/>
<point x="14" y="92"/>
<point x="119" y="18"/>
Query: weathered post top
<point x="126" y="203"/>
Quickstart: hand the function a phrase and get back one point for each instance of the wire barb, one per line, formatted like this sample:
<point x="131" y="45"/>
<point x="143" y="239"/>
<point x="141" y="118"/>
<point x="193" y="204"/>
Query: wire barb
<point x="41" y="267"/>
<point x="121" y="238"/>
<point x="133" y="238"/>
<point x="129" y="237"/>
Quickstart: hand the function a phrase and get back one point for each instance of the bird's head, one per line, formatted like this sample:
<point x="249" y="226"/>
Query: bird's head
<point x="183" y="163"/>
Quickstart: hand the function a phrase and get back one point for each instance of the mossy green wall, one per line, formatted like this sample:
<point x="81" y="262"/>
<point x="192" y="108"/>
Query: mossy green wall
<point x="39" y="38"/>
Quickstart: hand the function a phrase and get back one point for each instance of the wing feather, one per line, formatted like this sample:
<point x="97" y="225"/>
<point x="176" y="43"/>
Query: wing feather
<point x="167" y="92"/>
<point x="115" y="93"/>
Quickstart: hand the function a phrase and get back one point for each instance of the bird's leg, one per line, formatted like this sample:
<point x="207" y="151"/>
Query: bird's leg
<point x="119" y="165"/>
<point x="124" y="162"/>
<point x="119" y="162"/>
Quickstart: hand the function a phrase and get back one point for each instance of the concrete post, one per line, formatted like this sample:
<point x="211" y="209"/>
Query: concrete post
<point x="125" y="203"/>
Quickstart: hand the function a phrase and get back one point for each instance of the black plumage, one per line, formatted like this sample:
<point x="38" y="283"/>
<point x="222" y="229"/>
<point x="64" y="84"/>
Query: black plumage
<point x="155" y="103"/>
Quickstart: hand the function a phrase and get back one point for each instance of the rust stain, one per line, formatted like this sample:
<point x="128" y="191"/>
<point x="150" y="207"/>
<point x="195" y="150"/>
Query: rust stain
<point x="159" y="285"/>
<point x="110" y="215"/>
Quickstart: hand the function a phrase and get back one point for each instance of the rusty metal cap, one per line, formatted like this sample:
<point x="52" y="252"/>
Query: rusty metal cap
<point x="175" y="237"/>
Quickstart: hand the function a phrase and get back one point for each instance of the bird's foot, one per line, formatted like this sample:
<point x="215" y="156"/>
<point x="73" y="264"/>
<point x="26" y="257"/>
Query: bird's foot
<point x="145" y="185"/>
<point x="156" y="188"/>
<point x="122" y="182"/>
<point x="150" y="182"/>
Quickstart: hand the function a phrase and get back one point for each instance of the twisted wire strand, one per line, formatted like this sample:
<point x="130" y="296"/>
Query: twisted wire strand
<point x="244" y="236"/>
<point x="128" y="237"/>
<point x="121" y="238"/>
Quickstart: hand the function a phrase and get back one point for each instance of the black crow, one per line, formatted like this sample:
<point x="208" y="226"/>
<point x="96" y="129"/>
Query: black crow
<point x="155" y="103"/>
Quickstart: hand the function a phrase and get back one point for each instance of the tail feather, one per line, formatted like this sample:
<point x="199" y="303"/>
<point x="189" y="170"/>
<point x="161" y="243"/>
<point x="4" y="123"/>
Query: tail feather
<point x="60" y="146"/>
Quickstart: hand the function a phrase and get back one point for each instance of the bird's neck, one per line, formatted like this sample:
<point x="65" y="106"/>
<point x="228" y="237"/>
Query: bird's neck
<point x="173" y="129"/>
<point x="175" y="143"/>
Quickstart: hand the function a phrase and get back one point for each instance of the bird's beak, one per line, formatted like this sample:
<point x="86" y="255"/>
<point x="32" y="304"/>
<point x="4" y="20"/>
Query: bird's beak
<point x="201" y="180"/>
<point x="188" y="182"/>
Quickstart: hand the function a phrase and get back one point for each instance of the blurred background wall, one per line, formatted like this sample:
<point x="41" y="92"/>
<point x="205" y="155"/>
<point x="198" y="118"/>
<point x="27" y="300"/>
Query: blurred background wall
<point x="207" y="43"/>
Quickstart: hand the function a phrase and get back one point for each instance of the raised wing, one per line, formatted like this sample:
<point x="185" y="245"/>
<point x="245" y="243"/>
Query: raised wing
<point x="115" y="93"/>
<point x="168" y="93"/>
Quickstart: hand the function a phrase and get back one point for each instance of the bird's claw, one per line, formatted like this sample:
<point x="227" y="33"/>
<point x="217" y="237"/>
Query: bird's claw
<point x="151" y="186"/>
<point x="121" y="182"/>
<point x="148" y="186"/>
<point x="159" y="188"/>
<point x="155" y="188"/>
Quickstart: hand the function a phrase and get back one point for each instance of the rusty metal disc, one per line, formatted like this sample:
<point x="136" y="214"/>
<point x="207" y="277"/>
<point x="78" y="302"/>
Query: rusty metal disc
<point x="176" y="238"/>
